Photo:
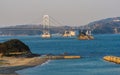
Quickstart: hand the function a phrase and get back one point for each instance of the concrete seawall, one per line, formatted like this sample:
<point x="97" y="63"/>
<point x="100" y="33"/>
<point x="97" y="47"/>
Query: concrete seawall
<point x="62" y="57"/>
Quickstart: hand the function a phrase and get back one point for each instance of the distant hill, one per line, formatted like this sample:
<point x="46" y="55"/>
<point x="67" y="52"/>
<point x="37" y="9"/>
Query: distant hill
<point x="31" y="30"/>
<point x="105" y="26"/>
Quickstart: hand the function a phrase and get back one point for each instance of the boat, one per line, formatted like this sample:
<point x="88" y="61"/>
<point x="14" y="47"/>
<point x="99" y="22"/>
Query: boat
<point x="70" y="33"/>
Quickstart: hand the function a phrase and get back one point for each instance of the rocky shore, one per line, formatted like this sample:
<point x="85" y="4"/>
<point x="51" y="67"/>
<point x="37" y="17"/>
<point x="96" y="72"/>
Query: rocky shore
<point x="16" y="55"/>
<point x="10" y="64"/>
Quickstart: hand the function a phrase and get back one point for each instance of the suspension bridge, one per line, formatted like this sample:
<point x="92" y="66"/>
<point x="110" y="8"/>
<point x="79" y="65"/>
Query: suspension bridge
<point x="47" y="26"/>
<point x="47" y="22"/>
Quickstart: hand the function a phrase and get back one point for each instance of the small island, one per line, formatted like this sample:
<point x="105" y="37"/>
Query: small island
<point x="85" y="36"/>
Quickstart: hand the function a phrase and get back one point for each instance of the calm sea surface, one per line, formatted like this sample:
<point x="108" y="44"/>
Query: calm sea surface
<point x="92" y="52"/>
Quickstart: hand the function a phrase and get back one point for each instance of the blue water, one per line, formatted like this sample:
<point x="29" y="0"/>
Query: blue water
<point x="92" y="52"/>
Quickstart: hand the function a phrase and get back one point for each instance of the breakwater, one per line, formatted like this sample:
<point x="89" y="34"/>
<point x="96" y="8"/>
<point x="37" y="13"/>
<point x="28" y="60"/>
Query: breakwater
<point x="62" y="57"/>
<point x="113" y="59"/>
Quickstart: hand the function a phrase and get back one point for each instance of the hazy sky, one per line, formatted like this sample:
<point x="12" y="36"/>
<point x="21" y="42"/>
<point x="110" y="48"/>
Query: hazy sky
<point x="68" y="12"/>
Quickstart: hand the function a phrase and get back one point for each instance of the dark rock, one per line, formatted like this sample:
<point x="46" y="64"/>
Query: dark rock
<point x="14" y="47"/>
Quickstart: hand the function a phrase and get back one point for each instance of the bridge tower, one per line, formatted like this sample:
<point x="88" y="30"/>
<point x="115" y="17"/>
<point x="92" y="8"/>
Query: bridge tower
<point x="46" y="23"/>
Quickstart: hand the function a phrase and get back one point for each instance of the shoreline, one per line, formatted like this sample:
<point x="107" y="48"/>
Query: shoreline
<point x="16" y="64"/>
<point x="12" y="64"/>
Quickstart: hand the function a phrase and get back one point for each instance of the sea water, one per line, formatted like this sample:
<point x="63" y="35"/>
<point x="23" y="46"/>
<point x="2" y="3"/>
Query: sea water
<point x="92" y="52"/>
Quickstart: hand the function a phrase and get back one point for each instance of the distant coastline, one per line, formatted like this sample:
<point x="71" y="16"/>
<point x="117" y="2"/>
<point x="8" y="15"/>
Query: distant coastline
<point x="103" y="26"/>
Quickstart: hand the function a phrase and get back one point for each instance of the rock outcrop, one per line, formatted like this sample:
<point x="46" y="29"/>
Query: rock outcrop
<point x="85" y="37"/>
<point x="14" y="47"/>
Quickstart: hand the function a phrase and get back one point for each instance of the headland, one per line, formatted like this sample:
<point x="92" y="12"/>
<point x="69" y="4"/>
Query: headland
<point x="15" y="55"/>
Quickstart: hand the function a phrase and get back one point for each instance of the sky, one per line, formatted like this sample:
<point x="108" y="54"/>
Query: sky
<point x="66" y="12"/>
